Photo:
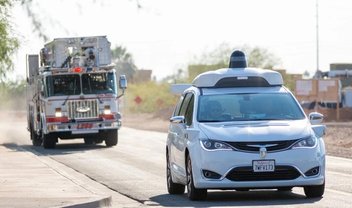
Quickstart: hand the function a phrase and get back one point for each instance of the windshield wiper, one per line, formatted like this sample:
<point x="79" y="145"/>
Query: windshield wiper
<point x="100" y="101"/>
<point x="265" y="119"/>
<point x="211" y="121"/>
<point x="74" y="91"/>
<point x="66" y="100"/>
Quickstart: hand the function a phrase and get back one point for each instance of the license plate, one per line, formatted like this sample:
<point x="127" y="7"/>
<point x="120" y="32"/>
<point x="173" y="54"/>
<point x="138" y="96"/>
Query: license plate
<point x="263" y="165"/>
<point x="84" y="126"/>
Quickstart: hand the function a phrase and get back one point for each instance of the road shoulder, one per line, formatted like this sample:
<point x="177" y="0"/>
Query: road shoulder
<point x="29" y="179"/>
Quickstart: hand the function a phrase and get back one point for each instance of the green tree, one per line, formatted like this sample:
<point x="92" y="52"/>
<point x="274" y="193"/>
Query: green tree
<point x="124" y="62"/>
<point x="12" y="94"/>
<point x="8" y="43"/>
<point x="261" y="58"/>
<point x="177" y="77"/>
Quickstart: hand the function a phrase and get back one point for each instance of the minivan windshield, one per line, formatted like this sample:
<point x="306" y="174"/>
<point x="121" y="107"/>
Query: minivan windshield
<point x="248" y="107"/>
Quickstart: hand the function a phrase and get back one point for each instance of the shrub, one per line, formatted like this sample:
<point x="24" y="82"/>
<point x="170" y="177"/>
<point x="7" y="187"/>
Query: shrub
<point x="154" y="97"/>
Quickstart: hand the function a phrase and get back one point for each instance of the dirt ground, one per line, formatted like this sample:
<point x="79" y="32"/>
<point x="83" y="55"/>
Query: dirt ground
<point x="338" y="138"/>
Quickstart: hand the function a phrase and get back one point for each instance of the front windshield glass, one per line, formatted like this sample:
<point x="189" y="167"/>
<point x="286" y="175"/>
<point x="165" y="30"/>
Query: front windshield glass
<point x="98" y="83"/>
<point x="59" y="85"/>
<point x="248" y="107"/>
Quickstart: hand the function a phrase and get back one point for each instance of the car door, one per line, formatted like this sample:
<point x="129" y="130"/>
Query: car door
<point x="180" y="133"/>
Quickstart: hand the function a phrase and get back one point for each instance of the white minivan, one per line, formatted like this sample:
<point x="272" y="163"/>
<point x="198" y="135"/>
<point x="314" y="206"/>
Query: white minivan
<point x="240" y="128"/>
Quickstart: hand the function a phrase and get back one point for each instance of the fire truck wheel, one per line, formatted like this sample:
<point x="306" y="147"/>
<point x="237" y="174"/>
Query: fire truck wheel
<point x="36" y="141"/>
<point x="88" y="140"/>
<point x="49" y="141"/>
<point x="111" y="138"/>
<point x="98" y="141"/>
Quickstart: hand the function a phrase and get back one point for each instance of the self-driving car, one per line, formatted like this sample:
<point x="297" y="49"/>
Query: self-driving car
<point x="240" y="128"/>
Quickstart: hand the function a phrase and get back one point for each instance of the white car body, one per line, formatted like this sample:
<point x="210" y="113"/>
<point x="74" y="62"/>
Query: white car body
<point x="247" y="144"/>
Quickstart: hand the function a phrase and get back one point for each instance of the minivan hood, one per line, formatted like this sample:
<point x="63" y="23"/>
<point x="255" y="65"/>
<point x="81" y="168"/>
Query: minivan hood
<point x="256" y="130"/>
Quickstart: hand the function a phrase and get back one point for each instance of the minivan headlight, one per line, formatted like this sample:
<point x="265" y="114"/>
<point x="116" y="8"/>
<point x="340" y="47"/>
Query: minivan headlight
<point x="310" y="141"/>
<point x="211" y="145"/>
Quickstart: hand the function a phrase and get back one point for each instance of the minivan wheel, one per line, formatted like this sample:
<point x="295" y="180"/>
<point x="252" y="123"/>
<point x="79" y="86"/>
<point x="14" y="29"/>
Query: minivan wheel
<point x="193" y="193"/>
<point x="314" y="191"/>
<point x="172" y="188"/>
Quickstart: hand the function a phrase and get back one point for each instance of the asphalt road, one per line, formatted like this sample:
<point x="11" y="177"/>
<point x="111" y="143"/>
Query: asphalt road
<point x="135" y="168"/>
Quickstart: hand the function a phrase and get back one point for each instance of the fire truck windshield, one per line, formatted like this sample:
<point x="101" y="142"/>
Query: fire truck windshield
<point x="58" y="85"/>
<point x="70" y="84"/>
<point x="98" y="83"/>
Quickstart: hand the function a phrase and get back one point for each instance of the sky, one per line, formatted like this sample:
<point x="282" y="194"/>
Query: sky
<point x="166" y="35"/>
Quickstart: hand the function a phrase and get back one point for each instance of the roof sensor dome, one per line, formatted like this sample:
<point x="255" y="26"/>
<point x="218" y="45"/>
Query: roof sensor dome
<point x="238" y="59"/>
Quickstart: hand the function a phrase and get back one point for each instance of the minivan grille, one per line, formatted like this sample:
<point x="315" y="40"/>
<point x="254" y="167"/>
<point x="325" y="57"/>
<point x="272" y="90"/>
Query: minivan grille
<point x="271" y="146"/>
<point x="247" y="174"/>
<point x="78" y="109"/>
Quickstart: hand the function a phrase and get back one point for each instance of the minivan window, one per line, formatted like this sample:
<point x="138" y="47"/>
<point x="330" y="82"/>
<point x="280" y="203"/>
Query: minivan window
<point x="189" y="112"/>
<point x="248" y="107"/>
<point x="185" y="104"/>
<point x="178" y="106"/>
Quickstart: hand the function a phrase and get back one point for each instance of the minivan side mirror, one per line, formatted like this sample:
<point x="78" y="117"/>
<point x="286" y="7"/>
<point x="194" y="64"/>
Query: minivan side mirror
<point x="316" y="118"/>
<point x="177" y="119"/>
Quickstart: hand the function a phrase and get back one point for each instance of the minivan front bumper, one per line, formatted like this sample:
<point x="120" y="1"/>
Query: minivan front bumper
<point x="292" y="168"/>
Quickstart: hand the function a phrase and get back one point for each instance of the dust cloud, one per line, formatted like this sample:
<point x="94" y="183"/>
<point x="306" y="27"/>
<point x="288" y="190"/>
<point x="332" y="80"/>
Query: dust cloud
<point x="13" y="121"/>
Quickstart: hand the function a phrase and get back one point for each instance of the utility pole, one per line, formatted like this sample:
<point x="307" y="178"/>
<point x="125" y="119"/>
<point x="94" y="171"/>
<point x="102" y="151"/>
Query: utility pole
<point x="317" y="33"/>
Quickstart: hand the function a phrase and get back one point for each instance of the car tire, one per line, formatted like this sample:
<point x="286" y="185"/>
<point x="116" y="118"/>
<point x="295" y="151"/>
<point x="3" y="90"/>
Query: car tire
<point x="98" y="141"/>
<point x="88" y="140"/>
<point x="193" y="193"/>
<point x="49" y="141"/>
<point x="314" y="191"/>
<point x="172" y="188"/>
<point x="111" y="138"/>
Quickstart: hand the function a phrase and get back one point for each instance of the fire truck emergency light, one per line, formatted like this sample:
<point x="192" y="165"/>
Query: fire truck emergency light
<point x="78" y="70"/>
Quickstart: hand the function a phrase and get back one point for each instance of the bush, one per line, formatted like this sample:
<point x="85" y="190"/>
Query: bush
<point x="13" y="95"/>
<point x="154" y="97"/>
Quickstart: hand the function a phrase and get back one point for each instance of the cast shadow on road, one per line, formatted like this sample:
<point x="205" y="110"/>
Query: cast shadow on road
<point x="60" y="149"/>
<point x="236" y="198"/>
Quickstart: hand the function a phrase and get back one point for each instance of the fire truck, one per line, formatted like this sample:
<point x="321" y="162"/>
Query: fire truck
<point x="72" y="92"/>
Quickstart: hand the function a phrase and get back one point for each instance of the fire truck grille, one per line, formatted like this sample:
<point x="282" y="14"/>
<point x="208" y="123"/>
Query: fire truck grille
<point x="78" y="109"/>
